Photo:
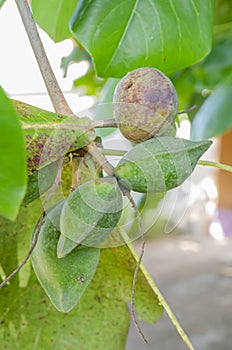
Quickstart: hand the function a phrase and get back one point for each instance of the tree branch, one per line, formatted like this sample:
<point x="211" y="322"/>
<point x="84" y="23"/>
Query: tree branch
<point x="59" y="103"/>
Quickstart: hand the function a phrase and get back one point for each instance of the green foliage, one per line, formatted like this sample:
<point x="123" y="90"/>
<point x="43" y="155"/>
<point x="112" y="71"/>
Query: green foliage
<point x="40" y="181"/>
<point x="223" y="11"/>
<point x="114" y="38"/>
<point x="99" y="321"/>
<point x="53" y="16"/>
<point x="78" y="54"/>
<point x="159" y="164"/>
<point x="12" y="160"/>
<point x="91" y="212"/>
<point x="49" y="136"/>
<point x="131" y="34"/>
<point x="64" y="280"/>
<point x="2" y="2"/>
<point x="215" y="115"/>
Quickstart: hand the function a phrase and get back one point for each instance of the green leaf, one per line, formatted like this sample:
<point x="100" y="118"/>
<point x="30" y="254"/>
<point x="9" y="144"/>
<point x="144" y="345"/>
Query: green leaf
<point x="159" y="164"/>
<point x="124" y="35"/>
<point x="101" y="318"/>
<point x="215" y="115"/>
<point x="91" y="212"/>
<point x="53" y="16"/>
<point x="89" y="83"/>
<point x="40" y="181"/>
<point x="12" y="160"/>
<point x="2" y="2"/>
<point x="49" y="136"/>
<point x="77" y="55"/>
<point x="64" y="280"/>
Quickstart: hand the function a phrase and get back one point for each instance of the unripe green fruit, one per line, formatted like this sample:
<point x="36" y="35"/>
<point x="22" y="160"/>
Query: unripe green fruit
<point x="159" y="164"/>
<point x="145" y="104"/>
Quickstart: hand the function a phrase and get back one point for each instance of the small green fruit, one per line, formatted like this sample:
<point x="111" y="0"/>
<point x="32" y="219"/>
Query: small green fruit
<point x="145" y="104"/>
<point x="159" y="164"/>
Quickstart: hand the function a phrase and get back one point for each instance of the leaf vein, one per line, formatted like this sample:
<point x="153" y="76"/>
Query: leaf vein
<point x="160" y="28"/>
<point x="178" y="26"/>
<point x="145" y="37"/>
<point x="123" y="35"/>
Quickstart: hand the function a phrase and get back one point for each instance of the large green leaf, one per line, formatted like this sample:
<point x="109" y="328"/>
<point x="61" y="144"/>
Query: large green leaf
<point x="215" y="115"/>
<point x="53" y="16"/>
<point x="101" y="318"/>
<point x="126" y="34"/>
<point x="12" y="160"/>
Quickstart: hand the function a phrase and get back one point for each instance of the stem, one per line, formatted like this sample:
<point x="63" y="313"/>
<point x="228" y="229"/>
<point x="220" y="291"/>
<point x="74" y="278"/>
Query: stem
<point x="54" y="91"/>
<point x="112" y="152"/>
<point x="101" y="159"/>
<point x="188" y="110"/>
<point x="215" y="165"/>
<point x="108" y="123"/>
<point x="157" y="292"/>
<point x="127" y="193"/>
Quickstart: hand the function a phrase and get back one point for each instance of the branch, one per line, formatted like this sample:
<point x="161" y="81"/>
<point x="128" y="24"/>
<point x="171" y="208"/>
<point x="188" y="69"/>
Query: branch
<point x="59" y="103"/>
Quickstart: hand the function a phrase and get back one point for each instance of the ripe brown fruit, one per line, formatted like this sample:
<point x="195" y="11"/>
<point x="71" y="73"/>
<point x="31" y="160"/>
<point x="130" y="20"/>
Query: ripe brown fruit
<point x="145" y="104"/>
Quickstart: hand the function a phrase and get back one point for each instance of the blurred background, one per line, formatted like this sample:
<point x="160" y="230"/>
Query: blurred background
<point x="189" y="230"/>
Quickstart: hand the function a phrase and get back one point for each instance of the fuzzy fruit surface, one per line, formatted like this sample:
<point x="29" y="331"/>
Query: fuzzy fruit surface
<point x="145" y="104"/>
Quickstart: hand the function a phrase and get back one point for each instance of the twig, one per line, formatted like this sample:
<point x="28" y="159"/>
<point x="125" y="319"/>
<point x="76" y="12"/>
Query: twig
<point x="215" y="165"/>
<point x="100" y="158"/>
<point x="108" y="123"/>
<point x="112" y="152"/>
<point x="36" y="236"/>
<point x="54" y="91"/>
<point x="127" y="193"/>
<point x="188" y="110"/>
